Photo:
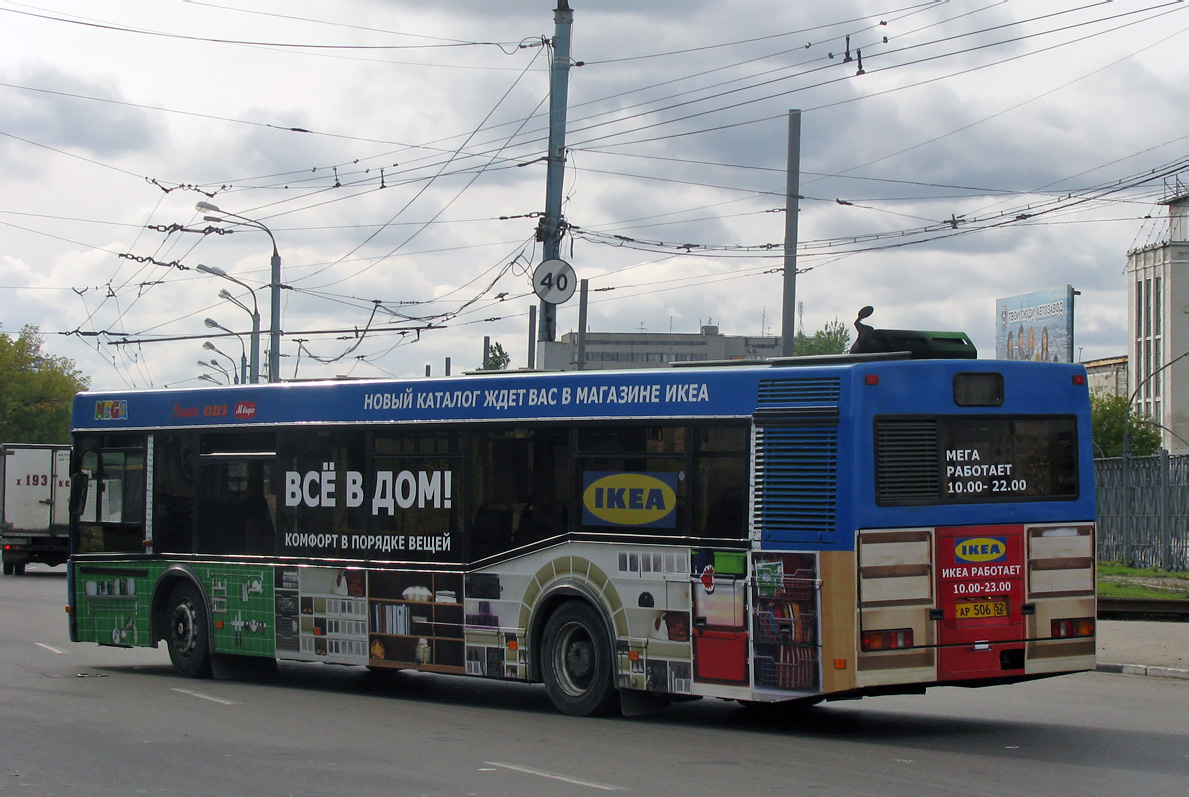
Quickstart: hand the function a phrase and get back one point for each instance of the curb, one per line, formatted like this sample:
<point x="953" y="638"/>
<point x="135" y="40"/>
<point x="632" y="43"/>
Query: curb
<point x="1142" y="669"/>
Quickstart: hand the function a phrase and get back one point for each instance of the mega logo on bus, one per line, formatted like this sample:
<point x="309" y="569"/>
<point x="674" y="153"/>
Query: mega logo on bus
<point x="981" y="549"/>
<point x="111" y="410"/>
<point x="641" y="500"/>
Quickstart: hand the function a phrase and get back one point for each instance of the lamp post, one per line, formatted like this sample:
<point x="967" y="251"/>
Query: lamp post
<point x="1128" y="518"/>
<point x="211" y="379"/>
<point x="254" y="313"/>
<point x="1131" y="399"/>
<point x="274" y="328"/>
<point x="214" y="366"/>
<point x="212" y="347"/>
<point x="243" y="352"/>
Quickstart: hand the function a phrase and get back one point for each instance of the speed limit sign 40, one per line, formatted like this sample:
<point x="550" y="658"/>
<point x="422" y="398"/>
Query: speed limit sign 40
<point x="554" y="281"/>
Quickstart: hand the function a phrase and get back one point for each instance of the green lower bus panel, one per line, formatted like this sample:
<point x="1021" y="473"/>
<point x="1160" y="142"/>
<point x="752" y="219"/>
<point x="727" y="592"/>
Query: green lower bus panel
<point x="113" y="602"/>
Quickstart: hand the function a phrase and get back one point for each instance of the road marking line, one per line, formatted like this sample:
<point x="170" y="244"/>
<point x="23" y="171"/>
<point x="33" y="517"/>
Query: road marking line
<point x="192" y="693"/>
<point x="554" y="776"/>
<point x="50" y="648"/>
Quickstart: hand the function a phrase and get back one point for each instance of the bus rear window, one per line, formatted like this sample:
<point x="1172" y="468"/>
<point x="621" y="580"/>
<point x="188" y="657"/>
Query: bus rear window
<point x="923" y="460"/>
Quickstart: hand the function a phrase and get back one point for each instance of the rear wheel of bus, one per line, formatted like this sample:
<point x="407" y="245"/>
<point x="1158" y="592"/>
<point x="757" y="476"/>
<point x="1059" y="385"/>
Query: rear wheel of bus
<point x="576" y="661"/>
<point x="187" y="635"/>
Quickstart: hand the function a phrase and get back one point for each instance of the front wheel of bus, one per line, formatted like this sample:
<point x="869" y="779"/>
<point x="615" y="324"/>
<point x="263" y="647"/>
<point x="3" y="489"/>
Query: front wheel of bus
<point x="576" y="662"/>
<point x="189" y="645"/>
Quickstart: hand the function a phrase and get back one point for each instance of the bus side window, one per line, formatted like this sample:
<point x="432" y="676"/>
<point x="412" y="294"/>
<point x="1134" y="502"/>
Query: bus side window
<point x="112" y="518"/>
<point x="723" y="463"/>
<point x="174" y="489"/>
<point x="235" y="478"/>
<point x="539" y="521"/>
<point x="518" y="482"/>
<point x="728" y="514"/>
<point x="491" y="530"/>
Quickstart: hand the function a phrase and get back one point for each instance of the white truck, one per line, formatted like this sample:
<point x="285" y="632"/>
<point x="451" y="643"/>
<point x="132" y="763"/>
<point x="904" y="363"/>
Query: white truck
<point x="34" y="504"/>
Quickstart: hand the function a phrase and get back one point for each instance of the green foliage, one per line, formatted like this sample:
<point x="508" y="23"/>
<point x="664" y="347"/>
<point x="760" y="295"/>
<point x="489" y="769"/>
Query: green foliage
<point x="833" y="338"/>
<point x="36" y="391"/>
<point x="497" y="358"/>
<point x="1107" y="417"/>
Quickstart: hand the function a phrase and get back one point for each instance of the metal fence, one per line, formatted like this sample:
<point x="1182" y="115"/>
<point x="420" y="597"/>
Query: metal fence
<point x="1143" y="511"/>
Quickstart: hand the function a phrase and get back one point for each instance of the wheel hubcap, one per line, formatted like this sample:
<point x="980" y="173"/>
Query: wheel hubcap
<point x="575" y="659"/>
<point x="185" y="636"/>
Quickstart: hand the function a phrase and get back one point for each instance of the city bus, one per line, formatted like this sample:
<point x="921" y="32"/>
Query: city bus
<point x="786" y="531"/>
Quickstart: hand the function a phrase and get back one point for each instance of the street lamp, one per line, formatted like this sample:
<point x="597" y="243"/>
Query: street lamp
<point x="212" y="347"/>
<point x="254" y="313"/>
<point x="214" y="366"/>
<point x="1128" y="518"/>
<point x="274" y="328"/>
<point x="1139" y="386"/>
<point x="243" y="352"/>
<point x="211" y="379"/>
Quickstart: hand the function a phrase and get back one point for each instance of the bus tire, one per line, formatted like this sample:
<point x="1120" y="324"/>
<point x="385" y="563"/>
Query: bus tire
<point x="186" y="635"/>
<point x="18" y="569"/>
<point x="8" y="568"/>
<point x="576" y="661"/>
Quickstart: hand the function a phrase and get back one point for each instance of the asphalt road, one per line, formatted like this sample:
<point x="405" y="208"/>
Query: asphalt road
<point x="80" y="719"/>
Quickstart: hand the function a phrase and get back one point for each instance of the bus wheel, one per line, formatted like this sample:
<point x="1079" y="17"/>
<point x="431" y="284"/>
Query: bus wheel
<point x="576" y="662"/>
<point x="18" y="569"/>
<point x="186" y="637"/>
<point x="8" y="568"/>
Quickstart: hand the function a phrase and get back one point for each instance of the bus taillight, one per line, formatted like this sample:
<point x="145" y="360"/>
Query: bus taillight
<point x="1068" y="629"/>
<point x="887" y="640"/>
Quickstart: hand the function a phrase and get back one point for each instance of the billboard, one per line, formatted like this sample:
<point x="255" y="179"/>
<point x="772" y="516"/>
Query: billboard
<point x="1036" y="326"/>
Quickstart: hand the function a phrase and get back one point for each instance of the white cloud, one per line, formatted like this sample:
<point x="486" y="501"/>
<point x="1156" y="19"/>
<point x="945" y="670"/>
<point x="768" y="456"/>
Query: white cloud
<point x="936" y="114"/>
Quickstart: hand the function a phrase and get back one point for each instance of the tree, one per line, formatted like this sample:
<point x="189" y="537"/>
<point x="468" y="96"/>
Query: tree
<point x="833" y="338"/>
<point x="497" y="358"/>
<point x="1108" y="414"/>
<point x="36" y="390"/>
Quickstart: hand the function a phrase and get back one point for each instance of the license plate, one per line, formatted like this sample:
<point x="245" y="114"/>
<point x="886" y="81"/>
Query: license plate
<point x="970" y="610"/>
<point x="16" y="540"/>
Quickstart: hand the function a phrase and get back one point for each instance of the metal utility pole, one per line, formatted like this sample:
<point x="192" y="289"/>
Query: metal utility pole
<point x="549" y="231"/>
<point x="792" y="206"/>
<point x="532" y="338"/>
<point x="583" y="290"/>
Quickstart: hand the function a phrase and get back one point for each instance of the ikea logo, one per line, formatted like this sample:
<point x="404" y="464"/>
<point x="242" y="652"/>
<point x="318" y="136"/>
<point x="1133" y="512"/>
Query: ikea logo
<point x="981" y="549"/>
<point x="629" y="499"/>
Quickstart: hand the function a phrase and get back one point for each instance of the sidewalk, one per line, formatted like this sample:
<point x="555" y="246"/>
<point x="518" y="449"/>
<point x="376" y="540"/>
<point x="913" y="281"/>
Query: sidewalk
<point x="1143" y="647"/>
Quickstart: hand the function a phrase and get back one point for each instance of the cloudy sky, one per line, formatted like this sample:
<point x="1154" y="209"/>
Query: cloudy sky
<point x="976" y="149"/>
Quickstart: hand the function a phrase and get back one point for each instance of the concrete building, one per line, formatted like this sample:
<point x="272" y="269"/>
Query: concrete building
<point x="607" y="350"/>
<point x="1108" y="376"/>
<point x="1158" y="323"/>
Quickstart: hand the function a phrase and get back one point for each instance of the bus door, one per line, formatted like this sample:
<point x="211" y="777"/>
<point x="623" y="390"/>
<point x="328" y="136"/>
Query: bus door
<point x="980" y="593"/>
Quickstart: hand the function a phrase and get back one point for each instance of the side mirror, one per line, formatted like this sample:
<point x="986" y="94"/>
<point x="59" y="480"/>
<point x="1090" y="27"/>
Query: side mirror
<point x="79" y="484"/>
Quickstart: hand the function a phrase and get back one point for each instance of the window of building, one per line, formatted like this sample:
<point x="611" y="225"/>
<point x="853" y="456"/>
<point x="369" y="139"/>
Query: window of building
<point x="1147" y="369"/>
<point x="1147" y="307"/>
<point x="1156" y="308"/>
